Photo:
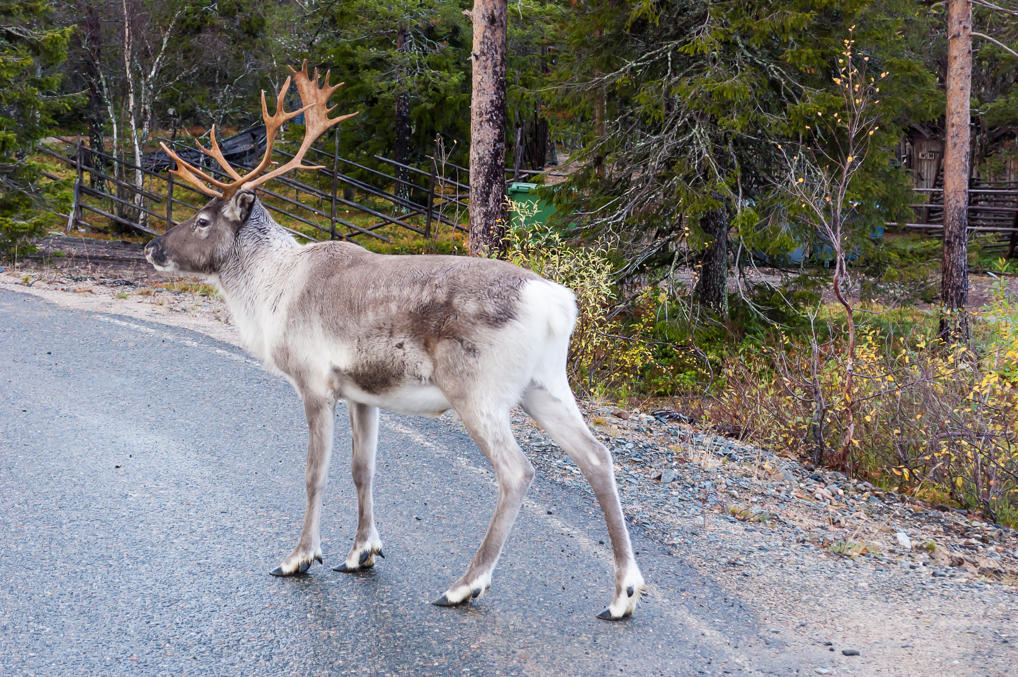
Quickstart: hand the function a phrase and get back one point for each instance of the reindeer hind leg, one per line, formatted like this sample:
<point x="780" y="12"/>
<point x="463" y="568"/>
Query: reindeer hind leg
<point x="554" y="408"/>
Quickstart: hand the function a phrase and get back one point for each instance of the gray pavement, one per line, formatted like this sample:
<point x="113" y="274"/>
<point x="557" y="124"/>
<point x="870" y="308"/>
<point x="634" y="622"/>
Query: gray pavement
<point x="151" y="477"/>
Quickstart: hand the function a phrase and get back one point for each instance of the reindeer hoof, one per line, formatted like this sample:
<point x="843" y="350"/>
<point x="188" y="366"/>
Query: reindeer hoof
<point x="606" y="615"/>
<point x="444" y="601"/>
<point x="361" y="559"/>
<point x="301" y="569"/>
<point x="344" y="569"/>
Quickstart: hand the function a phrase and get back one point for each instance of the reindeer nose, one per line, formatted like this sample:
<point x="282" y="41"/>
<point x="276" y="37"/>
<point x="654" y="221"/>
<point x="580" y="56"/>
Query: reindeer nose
<point x="154" y="251"/>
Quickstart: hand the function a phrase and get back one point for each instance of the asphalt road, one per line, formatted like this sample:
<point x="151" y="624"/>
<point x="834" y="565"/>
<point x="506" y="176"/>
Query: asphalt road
<point x="150" y="478"/>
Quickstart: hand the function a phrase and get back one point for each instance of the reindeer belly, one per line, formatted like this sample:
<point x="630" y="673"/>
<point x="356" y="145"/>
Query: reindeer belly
<point x="398" y="381"/>
<point x="425" y="399"/>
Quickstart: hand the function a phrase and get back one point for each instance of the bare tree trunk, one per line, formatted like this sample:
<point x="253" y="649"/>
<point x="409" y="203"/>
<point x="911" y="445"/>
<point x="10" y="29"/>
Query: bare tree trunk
<point x="954" y="281"/>
<point x="841" y="284"/>
<point x="132" y="113"/>
<point x="710" y="289"/>
<point x="402" y="145"/>
<point x="91" y="31"/>
<point x="488" y="214"/>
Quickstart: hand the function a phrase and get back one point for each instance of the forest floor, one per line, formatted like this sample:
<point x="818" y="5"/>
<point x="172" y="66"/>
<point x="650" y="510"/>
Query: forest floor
<point x="826" y="560"/>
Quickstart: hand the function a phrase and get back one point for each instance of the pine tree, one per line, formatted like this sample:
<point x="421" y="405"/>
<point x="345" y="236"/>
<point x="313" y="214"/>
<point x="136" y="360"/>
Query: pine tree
<point x="488" y="215"/>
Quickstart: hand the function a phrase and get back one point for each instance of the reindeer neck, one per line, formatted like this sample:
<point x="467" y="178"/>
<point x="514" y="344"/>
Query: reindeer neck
<point x="261" y="249"/>
<point x="255" y="276"/>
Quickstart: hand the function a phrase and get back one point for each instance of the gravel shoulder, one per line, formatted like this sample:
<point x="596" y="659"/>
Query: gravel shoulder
<point x="831" y="564"/>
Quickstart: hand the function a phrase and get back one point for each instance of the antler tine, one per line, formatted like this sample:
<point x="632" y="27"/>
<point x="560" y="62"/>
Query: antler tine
<point x="314" y="100"/>
<point x="216" y="153"/>
<point x="193" y="175"/>
<point x="316" y="117"/>
<point x="272" y="124"/>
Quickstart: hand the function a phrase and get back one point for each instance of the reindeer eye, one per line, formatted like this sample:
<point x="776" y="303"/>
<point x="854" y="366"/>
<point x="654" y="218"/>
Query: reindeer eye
<point x="203" y="222"/>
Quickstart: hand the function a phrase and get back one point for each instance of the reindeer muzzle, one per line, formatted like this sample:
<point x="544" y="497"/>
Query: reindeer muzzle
<point x="155" y="253"/>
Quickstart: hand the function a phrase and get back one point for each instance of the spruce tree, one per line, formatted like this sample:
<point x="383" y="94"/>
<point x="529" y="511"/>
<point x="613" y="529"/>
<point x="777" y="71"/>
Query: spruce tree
<point x="685" y="103"/>
<point x="30" y="48"/>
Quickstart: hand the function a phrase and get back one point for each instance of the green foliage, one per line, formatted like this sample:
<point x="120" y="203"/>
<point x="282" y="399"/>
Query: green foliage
<point x="433" y="70"/>
<point x="29" y="51"/>
<point x="995" y="98"/>
<point x="683" y="104"/>
<point x="984" y="254"/>
<point x="901" y="269"/>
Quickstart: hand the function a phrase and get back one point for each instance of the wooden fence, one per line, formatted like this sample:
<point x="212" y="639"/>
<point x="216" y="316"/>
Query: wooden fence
<point x="107" y="186"/>
<point x="991" y="209"/>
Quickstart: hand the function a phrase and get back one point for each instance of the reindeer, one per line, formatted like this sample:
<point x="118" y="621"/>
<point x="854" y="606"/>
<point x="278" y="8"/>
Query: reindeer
<point x="411" y="334"/>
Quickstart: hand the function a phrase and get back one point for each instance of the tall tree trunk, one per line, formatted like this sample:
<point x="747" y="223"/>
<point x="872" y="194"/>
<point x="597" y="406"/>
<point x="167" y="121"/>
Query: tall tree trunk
<point x="91" y="39"/>
<point x="954" y="283"/>
<point x="132" y="109"/>
<point x="535" y="141"/>
<point x="710" y="285"/>
<point x="488" y="214"/>
<point x="402" y="141"/>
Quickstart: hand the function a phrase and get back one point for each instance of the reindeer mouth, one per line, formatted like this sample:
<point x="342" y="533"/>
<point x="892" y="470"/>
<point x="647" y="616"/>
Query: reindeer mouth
<point x="158" y="260"/>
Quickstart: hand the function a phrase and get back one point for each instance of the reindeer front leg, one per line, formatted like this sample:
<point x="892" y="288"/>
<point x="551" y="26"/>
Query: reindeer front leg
<point x="320" y="413"/>
<point x="367" y="544"/>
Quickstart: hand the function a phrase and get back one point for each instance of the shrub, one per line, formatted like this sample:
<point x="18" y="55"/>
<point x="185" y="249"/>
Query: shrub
<point x="606" y="355"/>
<point x="937" y="421"/>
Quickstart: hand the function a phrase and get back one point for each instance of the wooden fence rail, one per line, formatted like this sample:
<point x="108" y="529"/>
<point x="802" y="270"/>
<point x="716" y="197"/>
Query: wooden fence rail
<point x="992" y="210"/>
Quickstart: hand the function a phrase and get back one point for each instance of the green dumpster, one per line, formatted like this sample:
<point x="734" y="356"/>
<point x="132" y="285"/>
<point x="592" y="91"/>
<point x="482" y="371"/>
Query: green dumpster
<point x="528" y="208"/>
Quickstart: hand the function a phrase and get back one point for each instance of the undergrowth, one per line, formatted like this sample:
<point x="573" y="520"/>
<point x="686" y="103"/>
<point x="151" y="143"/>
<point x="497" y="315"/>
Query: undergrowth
<point x="936" y="421"/>
<point x="939" y="422"/>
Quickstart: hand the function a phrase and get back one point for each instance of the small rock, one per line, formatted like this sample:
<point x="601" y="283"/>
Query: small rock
<point x="850" y="652"/>
<point x="903" y="540"/>
<point x="668" y="475"/>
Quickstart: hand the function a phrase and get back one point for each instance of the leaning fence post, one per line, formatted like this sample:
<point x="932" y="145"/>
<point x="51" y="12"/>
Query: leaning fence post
<point x="335" y="184"/>
<point x="169" y="201"/>
<point x="431" y="196"/>
<point x="75" y="211"/>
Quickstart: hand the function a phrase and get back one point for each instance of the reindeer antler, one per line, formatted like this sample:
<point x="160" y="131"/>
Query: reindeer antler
<point x="314" y="100"/>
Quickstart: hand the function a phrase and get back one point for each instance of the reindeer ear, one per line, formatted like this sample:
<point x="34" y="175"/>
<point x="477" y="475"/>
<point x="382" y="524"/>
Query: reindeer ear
<point x="239" y="207"/>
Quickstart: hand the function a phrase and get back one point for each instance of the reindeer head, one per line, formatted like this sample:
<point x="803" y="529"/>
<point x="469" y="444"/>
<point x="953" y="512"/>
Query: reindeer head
<point x="202" y="243"/>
